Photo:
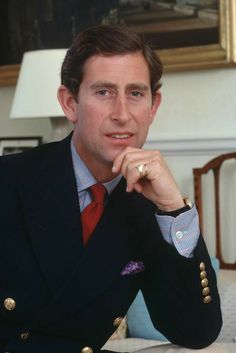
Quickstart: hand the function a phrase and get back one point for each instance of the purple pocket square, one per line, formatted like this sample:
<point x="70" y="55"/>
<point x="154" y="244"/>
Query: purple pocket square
<point x="132" y="268"/>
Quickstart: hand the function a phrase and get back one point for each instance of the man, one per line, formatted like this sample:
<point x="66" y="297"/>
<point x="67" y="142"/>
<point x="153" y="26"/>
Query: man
<point x="64" y="288"/>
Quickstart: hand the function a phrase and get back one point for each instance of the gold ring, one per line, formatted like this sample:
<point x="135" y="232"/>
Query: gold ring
<point x="143" y="170"/>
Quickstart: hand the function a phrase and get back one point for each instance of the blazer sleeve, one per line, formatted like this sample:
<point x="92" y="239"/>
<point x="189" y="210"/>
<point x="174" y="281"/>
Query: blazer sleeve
<point x="173" y="292"/>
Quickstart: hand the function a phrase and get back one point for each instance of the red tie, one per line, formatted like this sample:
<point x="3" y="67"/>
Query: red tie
<point x="93" y="212"/>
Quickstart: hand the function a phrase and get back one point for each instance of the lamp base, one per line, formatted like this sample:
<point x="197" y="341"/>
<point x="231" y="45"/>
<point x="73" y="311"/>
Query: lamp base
<point x="61" y="127"/>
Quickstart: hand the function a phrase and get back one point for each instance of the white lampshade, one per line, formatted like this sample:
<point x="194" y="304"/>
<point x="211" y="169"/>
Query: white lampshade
<point x="36" y="89"/>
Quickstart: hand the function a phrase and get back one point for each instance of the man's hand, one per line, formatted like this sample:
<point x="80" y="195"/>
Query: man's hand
<point x="158" y="185"/>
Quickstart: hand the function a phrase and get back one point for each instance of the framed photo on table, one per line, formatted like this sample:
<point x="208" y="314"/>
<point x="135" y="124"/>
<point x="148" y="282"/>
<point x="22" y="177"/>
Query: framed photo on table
<point x="10" y="145"/>
<point x="188" y="34"/>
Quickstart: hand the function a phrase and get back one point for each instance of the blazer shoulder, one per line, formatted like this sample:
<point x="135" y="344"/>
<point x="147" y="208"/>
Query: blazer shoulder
<point x="36" y="157"/>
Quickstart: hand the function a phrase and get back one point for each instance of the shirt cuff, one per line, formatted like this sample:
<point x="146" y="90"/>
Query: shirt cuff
<point x="181" y="231"/>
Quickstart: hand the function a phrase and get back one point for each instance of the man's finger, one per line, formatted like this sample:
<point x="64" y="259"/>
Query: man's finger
<point x="118" y="161"/>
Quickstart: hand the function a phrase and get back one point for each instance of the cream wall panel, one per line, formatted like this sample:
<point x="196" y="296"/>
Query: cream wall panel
<point x="197" y="104"/>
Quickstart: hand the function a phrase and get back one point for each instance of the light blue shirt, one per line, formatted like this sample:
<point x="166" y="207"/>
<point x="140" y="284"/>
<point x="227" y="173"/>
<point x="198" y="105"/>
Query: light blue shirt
<point x="181" y="231"/>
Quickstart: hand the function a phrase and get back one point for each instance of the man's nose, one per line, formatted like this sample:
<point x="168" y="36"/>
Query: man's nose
<point x="120" y="110"/>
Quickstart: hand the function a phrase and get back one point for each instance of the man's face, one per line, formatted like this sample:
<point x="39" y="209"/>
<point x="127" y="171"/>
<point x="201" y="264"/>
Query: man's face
<point x="114" y="107"/>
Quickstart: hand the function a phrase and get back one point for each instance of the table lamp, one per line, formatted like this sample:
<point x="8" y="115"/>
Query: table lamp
<point x="36" y="90"/>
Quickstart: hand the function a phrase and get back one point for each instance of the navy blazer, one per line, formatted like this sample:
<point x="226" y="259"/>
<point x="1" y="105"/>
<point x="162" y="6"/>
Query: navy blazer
<point x="66" y="295"/>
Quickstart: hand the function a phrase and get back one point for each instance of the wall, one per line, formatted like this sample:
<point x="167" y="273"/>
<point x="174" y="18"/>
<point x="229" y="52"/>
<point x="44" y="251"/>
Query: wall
<point x="197" y="104"/>
<point x="196" y="121"/>
<point x="20" y="127"/>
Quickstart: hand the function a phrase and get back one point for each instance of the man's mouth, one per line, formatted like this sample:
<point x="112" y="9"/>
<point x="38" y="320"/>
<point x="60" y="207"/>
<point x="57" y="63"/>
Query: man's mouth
<point x="120" y="136"/>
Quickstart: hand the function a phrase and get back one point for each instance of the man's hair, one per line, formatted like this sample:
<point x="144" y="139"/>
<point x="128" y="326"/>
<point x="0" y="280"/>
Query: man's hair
<point x="107" y="40"/>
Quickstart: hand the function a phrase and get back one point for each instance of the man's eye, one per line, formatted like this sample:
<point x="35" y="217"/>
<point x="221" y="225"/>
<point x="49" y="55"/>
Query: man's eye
<point x="103" y="92"/>
<point x="136" y="94"/>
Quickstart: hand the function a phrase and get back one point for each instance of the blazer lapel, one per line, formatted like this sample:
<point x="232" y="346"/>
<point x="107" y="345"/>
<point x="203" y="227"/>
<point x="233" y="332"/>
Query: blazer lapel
<point x="51" y="209"/>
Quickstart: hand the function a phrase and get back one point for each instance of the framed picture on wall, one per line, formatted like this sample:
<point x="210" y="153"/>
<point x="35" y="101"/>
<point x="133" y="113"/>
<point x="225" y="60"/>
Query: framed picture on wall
<point x="188" y="34"/>
<point x="10" y="145"/>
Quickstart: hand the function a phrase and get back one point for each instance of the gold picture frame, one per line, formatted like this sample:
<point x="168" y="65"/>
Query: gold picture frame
<point x="207" y="56"/>
<point x="216" y="55"/>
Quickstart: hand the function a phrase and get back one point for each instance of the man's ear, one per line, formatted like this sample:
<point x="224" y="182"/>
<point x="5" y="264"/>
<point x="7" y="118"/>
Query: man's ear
<point x="155" y="105"/>
<point x="68" y="103"/>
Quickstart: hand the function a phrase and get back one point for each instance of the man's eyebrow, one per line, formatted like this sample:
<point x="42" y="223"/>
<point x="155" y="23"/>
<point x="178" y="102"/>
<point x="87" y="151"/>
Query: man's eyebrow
<point x="133" y="85"/>
<point x="137" y="85"/>
<point x="99" y="84"/>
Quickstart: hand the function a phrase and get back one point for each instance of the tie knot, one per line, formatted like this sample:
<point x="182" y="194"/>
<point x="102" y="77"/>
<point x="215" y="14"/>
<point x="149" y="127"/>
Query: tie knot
<point x="98" y="193"/>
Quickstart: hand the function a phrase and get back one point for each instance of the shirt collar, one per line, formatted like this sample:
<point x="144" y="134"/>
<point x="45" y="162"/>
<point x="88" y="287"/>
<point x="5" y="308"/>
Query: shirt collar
<point x="84" y="178"/>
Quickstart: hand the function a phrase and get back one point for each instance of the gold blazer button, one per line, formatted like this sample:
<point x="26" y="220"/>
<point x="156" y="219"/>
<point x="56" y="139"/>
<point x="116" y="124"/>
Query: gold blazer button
<point x="206" y="291"/>
<point x="9" y="304"/>
<point x="24" y="336"/>
<point x="87" y="350"/>
<point x="202" y="266"/>
<point x="204" y="282"/>
<point x="207" y="299"/>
